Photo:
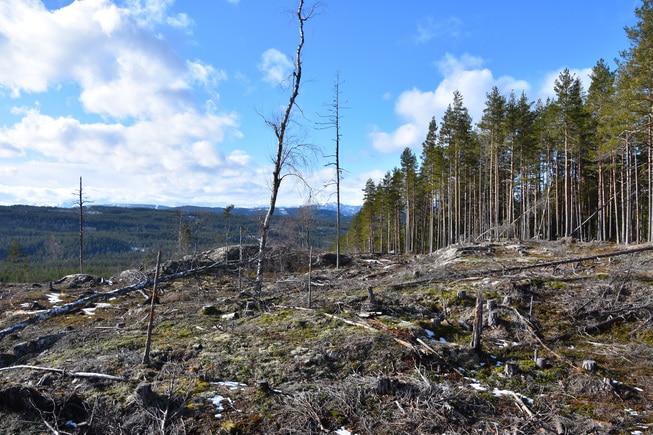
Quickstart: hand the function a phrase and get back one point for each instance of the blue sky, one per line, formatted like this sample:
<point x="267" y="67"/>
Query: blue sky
<point x="163" y="101"/>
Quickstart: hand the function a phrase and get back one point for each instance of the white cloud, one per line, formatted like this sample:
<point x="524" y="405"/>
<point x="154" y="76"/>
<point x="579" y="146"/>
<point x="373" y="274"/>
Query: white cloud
<point x="148" y="12"/>
<point x="428" y="29"/>
<point x="145" y="139"/>
<point x="109" y="18"/>
<point x="275" y="66"/>
<point x="123" y="70"/>
<point x="416" y="107"/>
<point x="207" y="75"/>
<point x="547" y="88"/>
<point x="181" y="21"/>
<point x="239" y="157"/>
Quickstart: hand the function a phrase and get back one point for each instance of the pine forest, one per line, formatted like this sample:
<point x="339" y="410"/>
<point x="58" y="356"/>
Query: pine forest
<point x="578" y="165"/>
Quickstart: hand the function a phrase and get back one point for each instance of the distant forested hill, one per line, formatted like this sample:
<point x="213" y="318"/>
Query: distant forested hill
<point x="120" y="237"/>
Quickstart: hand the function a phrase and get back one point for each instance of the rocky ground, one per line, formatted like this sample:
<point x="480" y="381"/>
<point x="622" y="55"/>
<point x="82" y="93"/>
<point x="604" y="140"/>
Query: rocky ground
<point x="379" y="346"/>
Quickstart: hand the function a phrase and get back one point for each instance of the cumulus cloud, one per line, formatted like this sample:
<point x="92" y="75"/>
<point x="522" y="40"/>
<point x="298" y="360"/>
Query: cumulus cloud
<point x="275" y="66"/>
<point x="416" y="107"/>
<point x="142" y="129"/>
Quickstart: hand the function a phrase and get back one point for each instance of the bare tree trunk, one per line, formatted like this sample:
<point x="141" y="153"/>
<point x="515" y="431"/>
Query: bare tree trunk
<point x="615" y="195"/>
<point x="478" y="324"/>
<point x="81" y="228"/>
<point x="649" y="171"/>
<point x="282" y="153"/>
<point x="567" y="201"/>
<point x="148" y="338"/>
<point x="80" y="202"/>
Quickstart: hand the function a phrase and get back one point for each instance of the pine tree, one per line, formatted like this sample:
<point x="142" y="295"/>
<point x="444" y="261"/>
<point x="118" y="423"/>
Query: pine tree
<point x="635" y="83"/>
<point x="409" y="178"/>
<point x="17" y="264"/>
<point x="492" y="127"/>
<point x="431" y="175"/>
<point x="601" y="106"/>
<point x="456" y="138"/>
<point x="569" y="108"/>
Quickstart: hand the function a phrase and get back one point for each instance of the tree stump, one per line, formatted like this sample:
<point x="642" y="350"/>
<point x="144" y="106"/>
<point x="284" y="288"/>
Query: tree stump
<point x="493" y="319"/>
<point x="462" y="294"/>
<point x="385" y="386"/>
<point x="477" y="328"/>
<point x="144" y="394"/>
<point x="540" y="363"/>
<point x="370" y="296"/>
<point x="372" y="303"/>
<point x="249" y="308"/>
<point x="264" y="387"/>
<point x="511" y="369"/>
<point x="491" y="304"/>
<point x="589" y="365"/>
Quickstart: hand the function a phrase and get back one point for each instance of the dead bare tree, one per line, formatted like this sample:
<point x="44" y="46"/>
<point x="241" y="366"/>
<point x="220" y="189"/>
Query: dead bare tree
<point x="333" y="121"/>
<point x="289" y="153"/>
<point x="80" y="202"/>
<point x="146" y="355"/>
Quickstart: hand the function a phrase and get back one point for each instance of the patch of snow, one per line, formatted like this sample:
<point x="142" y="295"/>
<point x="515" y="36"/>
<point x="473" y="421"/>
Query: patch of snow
<point x="217" y="402"/>
<point x="504" y="343"/>
<point x="631" y="412"/>
<point x="498" y="393"/>
<point x="54" y="298"/>
<point x="343" y="431"/>
<point x="429" y="333"/>
<point x="443" y="340"/>
<point x="230" y="384"/>
<point x="478" y="387"/>
<point x="91" y="311"/>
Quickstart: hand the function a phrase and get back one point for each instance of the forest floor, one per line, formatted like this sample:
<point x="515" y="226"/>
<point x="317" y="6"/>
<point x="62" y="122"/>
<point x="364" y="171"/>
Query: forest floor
<point x="566" y="346"/>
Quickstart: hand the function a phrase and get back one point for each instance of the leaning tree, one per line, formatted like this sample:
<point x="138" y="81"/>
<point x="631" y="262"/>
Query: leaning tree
<point x="290" y="153"/>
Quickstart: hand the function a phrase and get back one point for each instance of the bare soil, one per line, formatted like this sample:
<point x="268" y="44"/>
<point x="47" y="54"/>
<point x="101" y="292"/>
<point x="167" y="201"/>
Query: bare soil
<point x="566" y="346"/>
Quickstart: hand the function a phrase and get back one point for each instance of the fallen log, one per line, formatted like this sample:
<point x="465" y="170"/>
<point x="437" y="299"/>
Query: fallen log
<point x="65" y="309"/>
<point x="572" y="260"/>
<point x="66" y="373"/>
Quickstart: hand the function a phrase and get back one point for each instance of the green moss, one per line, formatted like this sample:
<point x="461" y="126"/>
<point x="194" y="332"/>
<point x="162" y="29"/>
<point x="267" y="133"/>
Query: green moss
<point x="338" y="416"/>
<point x="555" y="285"/>
<point x="452" y="333"/>
<point x="583" y="408"/>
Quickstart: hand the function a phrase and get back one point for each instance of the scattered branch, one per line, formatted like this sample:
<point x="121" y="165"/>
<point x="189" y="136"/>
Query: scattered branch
<point x="65" y="309"/>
